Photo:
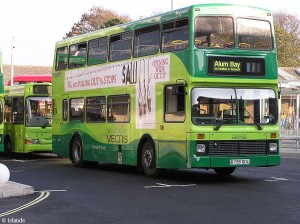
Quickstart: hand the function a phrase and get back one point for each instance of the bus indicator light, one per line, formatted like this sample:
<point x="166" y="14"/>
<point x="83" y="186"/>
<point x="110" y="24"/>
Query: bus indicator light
<point x="273" y="135"/>
<point x="201" y="136"/>
<point x="32" y="141"/>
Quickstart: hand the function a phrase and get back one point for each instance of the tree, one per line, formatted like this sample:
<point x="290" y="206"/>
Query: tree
<point x="287" y="32"/>
<point x="97" y="18"/>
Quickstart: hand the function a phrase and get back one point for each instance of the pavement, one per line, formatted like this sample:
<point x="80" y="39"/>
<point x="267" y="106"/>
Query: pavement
<point x="10" y="189"/>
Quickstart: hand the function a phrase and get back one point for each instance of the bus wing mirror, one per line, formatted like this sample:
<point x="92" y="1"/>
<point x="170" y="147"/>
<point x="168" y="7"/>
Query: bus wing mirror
<point x="177" y="90"/>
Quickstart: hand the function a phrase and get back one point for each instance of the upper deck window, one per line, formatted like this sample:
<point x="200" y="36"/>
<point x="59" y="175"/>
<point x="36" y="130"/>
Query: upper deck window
<point x="254" y="34"/>
<point x="77" y="55"/>
<point x="61" y="58"/>
<point x="146" y="41"/>
<point x="97" y="51"/>
<point x="214" y="32"/>
<point x="175" y="35"/>
<point x="120" y="46"/>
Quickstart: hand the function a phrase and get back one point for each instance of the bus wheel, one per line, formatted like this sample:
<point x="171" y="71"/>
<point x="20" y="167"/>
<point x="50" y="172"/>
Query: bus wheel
<point x="224" y="171"/>
<point x="7" y="147"/>
<point x="77" y="152"/>
<point x="148" y="160"/>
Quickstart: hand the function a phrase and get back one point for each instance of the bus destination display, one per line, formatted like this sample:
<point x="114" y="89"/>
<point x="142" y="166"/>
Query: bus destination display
<point x="236" y="66"/>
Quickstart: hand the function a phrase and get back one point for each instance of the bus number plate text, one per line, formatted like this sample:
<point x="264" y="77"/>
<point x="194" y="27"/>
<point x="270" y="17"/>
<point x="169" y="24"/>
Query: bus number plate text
<point x="239" y="161"/>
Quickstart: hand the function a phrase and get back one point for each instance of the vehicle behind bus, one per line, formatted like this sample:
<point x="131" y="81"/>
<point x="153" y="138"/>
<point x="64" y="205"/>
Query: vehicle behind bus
<point x="28" y="118"/>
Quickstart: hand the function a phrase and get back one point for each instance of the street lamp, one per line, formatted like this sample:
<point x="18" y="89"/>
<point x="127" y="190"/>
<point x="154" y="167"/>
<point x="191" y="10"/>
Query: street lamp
<point x="11" y="61"/>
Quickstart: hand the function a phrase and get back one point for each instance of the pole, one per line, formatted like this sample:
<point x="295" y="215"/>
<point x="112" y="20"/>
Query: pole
<point x="12" y="64"/>
<point x="171" y="5"/>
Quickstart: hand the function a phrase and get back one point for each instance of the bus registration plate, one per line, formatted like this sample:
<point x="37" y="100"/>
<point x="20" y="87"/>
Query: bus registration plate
<point x="239" y="161"/>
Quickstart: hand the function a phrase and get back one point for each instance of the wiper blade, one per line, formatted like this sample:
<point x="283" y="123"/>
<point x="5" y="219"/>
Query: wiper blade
<point x="254" y="122"/>
<point x="45" y="125"/>
<point x="220" y="122"/>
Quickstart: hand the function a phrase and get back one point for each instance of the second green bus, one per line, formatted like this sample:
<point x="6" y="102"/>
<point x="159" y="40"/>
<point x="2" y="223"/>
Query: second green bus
<point x="28" y="118"/>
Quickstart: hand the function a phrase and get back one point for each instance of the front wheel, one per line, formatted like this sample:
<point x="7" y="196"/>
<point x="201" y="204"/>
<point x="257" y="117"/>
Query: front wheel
<point x="224" y="171"/>
<point x="148" y="160"/>
<point x="77" y="152"/>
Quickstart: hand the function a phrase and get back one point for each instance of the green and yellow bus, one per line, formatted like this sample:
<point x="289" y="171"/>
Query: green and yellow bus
<point x="28" y="118"/>
<point x="192" y="88"/>
<point x="1" y="103"/>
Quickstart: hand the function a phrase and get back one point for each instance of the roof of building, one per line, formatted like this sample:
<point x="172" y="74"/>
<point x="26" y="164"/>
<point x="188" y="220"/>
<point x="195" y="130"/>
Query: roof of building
<point x="289" y="74"/>
<point x="26" y="70"/>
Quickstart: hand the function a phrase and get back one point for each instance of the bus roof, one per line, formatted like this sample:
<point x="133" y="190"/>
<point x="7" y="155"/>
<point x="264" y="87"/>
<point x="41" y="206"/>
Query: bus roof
<point x="22" y="79"/>
<point x="205" y="9"/>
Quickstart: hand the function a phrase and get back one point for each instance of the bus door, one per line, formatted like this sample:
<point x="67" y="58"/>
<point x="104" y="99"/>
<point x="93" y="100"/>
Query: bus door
<point x="60" y="119"/>
<point x="172" y="133"/>
<point x="17" y="129"/>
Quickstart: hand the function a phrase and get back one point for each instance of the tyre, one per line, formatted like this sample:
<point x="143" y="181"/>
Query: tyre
<point x="7" y="147"/>
<point x="148" y="160"/>
<point x="77" y="152"/>
<point x="224" y="171"/>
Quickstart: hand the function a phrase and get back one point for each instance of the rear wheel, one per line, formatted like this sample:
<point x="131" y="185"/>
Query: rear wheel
<point x="148" y="160"/>
<point x="224" y="171"/>
<point x="77" y="152"/>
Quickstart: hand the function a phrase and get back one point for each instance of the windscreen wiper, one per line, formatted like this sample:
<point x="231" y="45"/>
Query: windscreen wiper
<point x="254" y="122"/>
<point x="220" y="122"/>
<point x="45" y="125"/>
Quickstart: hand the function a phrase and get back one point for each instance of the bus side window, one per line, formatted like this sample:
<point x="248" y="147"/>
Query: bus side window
<point x="146" y="41"/>
<point x="77" y="109"/>
<point x="98" y="51"/>
<point x="96" y="109"/>
<point x="65" y="111"/>
<point x="18" y="110"/>
<point x="175" y="103"/>
<point x="120" y="46"/>
<point x="61" y="58"/>
<point x="175" y="35"/>
<point x="77" y="55"/>
<point x="7" y="110"/>
<point x="118" y="108"/>
<point x="1" y="111"/>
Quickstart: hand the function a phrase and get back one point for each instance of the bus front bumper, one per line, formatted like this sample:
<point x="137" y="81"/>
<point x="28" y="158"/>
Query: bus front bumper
<point x="28" y="148"/>
<point x="245" y="161"/>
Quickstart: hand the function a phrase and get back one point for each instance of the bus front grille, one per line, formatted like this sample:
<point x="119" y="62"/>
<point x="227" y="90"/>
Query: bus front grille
<point x="237" y="148"/>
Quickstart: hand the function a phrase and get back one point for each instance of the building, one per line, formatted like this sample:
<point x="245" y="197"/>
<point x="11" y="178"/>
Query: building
<point x="25" y="70"/>
<point x="289" y="83"/>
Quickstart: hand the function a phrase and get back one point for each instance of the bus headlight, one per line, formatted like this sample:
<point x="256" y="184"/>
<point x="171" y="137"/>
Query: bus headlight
<point x="32" y="141"/>
<point x="200" y="148"/>
<point x="273" y="147"/>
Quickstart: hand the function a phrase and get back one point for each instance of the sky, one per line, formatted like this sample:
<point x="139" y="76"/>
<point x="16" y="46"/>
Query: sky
<point x="34" y="26"/>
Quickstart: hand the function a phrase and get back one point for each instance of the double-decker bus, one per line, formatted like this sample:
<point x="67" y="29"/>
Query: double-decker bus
<point x="28" y="118"/>
<point x="1" y="103"/>
<point x="192" y="88"/>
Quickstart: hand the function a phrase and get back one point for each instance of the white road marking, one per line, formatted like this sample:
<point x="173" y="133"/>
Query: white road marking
<point x="273" y="179"/>
<point x="168" y="185"/>
<point x="40" y="198"/>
